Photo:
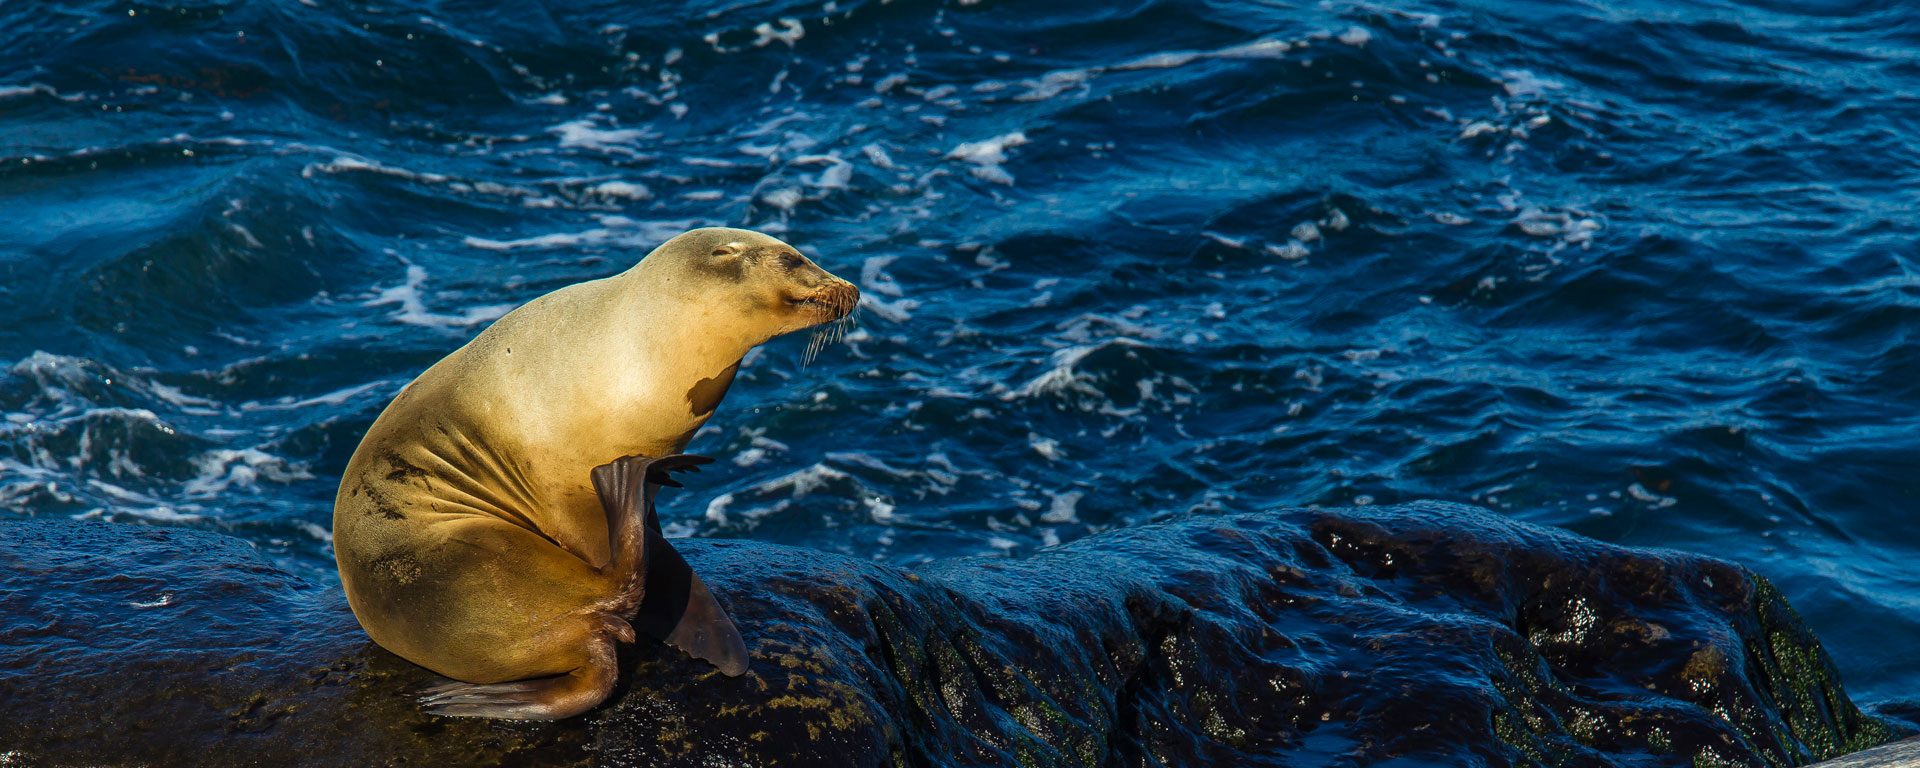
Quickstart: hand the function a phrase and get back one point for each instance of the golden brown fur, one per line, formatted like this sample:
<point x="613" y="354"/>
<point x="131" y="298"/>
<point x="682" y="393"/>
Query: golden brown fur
<point x="468" y="534"/>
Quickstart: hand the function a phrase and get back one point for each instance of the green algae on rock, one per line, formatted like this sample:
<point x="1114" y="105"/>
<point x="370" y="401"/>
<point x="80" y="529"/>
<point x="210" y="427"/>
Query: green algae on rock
<point x="1427" y="633"/>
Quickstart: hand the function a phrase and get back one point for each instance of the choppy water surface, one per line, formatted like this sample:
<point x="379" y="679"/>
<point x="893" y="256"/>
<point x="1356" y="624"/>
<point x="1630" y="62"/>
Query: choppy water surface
<point x="1641" y="271"/>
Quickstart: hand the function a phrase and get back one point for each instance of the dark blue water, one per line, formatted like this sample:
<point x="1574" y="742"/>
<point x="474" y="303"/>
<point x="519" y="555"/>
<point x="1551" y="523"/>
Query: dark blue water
<point x="1643" y="271"/>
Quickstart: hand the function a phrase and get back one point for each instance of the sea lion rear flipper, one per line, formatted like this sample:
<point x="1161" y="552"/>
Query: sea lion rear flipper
<point x="680" y="610"/>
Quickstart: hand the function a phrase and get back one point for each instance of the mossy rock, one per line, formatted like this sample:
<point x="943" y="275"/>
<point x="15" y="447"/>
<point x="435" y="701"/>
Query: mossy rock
<point x="1428" y="632"/>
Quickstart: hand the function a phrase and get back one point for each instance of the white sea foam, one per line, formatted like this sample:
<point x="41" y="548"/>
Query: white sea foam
<point x="745" y="508"/>
<point x="14" y="467"/>
<point x="165" y="599"/>
<point x="1478" y="128"/>
<point x="804" y="481"/>
<point x="1258" y="49"/>
<point x="320" y="534"/>
<point x="583" y="134"/>
<point x="1520" y="82"/>
<point x="542" y="240"/>
<point x="873" y="276"/>
<point x="627" y="233"/>
<point x="335" y="397"/>
<point x="1063" y="508"/>
<point x="174" y="396"/>
<point x="25" y="495"/>
<point x="351" y="164"/>
<point x="1236" y="243"/>
<point x="626" y="189"/>
<point x="1045" y="446"/>
<point x="717" y="509"/>
<point x="1055" y="83"/>
<point x="1640" y="493"/>
<point x="878" y="156"/>
<point x="120" y="494"/>
<point x="879" y="510"/>
<point x="836" y="176"/>
<point x="789" y="31"/>
<point x="1161" y="60"/>
<point x="16" y="91"/>
<point x="992" y="174"/>
<point x="1110" y="328"/>
<point x="63" y="375"/>
<point x="678" y="529"/>
<point x="897" y="311"/>
<point x="413" y="308"/>
<point x="1572" y="229"/>
<point x="987" y="155"/>
<point x="989" y="151"/>
<point x="782" y="198"/>
<point x="158" y="514"/>
<point x="939" y="477"/>
<point x="223" y="469"/>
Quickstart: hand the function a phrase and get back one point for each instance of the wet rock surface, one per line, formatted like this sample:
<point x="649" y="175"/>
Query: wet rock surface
<point x="1416" y="634"/>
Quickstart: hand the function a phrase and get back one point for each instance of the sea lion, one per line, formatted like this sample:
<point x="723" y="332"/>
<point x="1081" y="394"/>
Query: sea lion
<point x="496" y="523"/>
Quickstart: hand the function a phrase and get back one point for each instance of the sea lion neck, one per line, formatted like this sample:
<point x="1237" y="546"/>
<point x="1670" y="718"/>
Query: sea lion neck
<point x="683" y="322"/>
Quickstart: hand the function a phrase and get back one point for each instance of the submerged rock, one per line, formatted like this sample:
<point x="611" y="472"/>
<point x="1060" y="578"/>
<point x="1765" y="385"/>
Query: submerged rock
<point x="1421" y="633"/>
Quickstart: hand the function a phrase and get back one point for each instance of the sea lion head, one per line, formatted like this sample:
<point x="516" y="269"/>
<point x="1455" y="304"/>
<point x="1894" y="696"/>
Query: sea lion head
<point x="763" y="283"/>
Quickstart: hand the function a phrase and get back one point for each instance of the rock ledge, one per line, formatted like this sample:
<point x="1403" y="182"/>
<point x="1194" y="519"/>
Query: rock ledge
<point x="1428" y="632"/>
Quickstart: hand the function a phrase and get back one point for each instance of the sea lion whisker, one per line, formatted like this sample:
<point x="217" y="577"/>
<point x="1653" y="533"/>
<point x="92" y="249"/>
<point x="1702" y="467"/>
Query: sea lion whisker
<point x="833" y="331"/>
<point x="815" y="342"/>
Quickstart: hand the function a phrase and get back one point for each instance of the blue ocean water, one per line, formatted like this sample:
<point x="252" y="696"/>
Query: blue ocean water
<point x="1641" y="270"/>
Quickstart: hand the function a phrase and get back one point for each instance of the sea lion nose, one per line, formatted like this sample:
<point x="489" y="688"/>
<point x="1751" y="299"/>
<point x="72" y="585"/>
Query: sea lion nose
<point x="844" y="296"/>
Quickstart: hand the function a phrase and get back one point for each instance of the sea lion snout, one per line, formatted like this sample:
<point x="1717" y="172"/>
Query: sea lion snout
<point x="817" y="293"/>
<point x="832" y="299"/>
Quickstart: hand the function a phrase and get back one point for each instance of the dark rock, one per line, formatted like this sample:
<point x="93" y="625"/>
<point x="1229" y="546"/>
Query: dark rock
<point x="1424" y="633"/>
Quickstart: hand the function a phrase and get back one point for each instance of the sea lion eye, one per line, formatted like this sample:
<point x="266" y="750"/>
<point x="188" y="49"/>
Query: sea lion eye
<point x="791" y="260"/>
<point x="727" y="250"/>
